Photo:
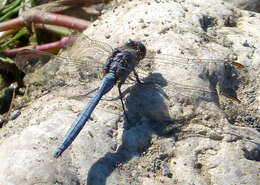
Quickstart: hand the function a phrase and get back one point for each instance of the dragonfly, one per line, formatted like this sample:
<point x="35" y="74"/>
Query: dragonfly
<point x="118" y="66"/>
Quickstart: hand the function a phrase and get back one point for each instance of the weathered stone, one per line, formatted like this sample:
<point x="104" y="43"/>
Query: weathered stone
<point x="183" y="129"/>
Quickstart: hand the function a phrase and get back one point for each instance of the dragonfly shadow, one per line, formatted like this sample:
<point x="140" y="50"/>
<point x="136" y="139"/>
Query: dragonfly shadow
<point x="134" y="141"/>
<point x="147" y="100"/>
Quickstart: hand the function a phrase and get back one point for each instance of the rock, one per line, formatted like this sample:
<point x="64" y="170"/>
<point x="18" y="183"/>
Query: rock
<point x="14" y="114"/>
<point x="197" y="145"/>
<point x="253" y="5"/>
<point x="165" y="170"/>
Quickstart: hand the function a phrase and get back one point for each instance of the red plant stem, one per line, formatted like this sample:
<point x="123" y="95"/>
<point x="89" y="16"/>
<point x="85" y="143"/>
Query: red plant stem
<point x="56" y="19"/>
<point x="45" y="18"/>
<point x="11" y="24"/>
<point x="64" y="42"/>
<point x="13" y="52"/>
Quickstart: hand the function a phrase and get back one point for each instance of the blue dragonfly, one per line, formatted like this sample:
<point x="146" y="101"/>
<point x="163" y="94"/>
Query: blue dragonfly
<point x="118" y="64"/>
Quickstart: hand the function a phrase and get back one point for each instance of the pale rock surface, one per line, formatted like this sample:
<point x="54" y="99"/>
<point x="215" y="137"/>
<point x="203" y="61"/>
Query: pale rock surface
<point x="192" y="139"/>
<point x="252" y="5"/>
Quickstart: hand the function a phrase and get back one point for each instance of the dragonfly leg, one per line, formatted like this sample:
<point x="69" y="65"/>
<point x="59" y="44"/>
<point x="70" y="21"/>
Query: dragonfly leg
<point x="137" y="77"/>
<point x="121" y="98"/>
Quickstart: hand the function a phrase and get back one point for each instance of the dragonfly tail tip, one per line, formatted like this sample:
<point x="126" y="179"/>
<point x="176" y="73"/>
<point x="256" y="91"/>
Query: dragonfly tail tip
<point x="57" y="153"/>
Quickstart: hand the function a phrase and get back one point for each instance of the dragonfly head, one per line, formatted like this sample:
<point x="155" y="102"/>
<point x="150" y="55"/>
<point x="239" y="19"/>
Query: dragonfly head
<point x="138" y="46"/>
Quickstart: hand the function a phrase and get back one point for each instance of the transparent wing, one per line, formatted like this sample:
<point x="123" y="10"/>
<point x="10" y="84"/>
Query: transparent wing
<point x="185" y="62"/>
<point x="85" y="43"/>
<point x="85" y="52"/>
<point x="188" y="77"/>
<point x="77" y="63"/>
<point x="179" y="89"/>
<point x="86" y="57"/>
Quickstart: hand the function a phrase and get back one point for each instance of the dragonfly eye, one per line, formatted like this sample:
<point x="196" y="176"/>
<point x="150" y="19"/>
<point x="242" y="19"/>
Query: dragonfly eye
<point x="141" y="50"/>
<point x="130" y="43"/>
<point x="137" y="46"/>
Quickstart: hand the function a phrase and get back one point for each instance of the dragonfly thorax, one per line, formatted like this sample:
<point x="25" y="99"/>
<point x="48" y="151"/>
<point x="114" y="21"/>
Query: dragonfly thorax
<point x="121" y="62"/>
<point x="138" y="46"/>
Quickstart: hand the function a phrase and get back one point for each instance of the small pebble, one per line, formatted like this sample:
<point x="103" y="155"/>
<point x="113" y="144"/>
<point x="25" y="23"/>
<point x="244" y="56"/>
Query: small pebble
<point x="230" y="120"/>
<point x="248" y="118"/>
<point x="14" y="114"/>
<point x="166" y="170"/>
<point x="206" y="117"/>
<point x="1" y="122"/>
<point x="21" y="90"/>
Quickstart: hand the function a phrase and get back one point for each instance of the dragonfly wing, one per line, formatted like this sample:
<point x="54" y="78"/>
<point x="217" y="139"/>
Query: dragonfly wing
<point x="29" y="60"/>
<point x="76" y="63"/>
<point x="192" y="73"/>
<point x="39" y="67"/>
<point x="178" y="89"/>
<point x="84" y="43"/>
<point x="162" y="97"/>
<point x="190" y="64"/>
<point x="87" y="54"/>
